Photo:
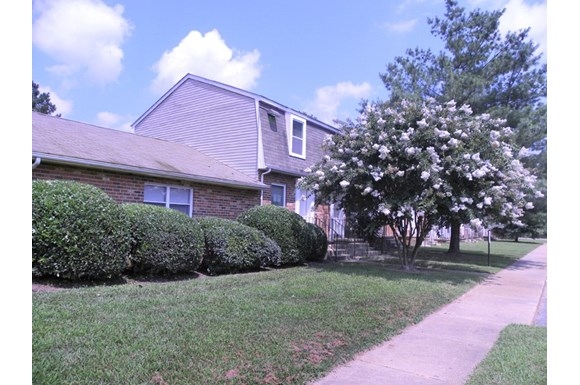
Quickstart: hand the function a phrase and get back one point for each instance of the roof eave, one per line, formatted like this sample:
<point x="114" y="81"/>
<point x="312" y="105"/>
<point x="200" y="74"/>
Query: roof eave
<point x="70" y="161"/>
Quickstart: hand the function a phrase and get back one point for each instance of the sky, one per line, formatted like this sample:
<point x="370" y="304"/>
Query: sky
<point x="105" y="62"/>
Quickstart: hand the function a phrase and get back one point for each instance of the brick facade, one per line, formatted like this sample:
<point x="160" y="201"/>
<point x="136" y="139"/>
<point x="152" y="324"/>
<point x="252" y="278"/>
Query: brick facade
<point x="281" y="179"/>
<point x="208" y="200"/>
<point x="321" y="213"/>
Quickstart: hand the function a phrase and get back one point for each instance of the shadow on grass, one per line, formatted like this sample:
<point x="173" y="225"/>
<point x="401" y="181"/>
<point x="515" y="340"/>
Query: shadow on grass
<point x="473" y="258"/>
<point x="61" y="283"/>
<point x="394" y="272"/>
<point x="432" y="263"/>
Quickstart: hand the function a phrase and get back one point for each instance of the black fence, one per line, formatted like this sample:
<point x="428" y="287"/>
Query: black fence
<point x="343" y="237"/>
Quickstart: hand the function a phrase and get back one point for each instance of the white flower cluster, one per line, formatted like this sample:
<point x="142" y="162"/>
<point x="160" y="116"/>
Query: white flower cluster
<point x="431" y="159"/>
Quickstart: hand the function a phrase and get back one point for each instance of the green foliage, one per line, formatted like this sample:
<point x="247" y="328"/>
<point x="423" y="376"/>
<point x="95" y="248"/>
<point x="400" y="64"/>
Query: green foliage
<point x="285" y="227"/>
<point x="495" y="73"/>
<point x="41" y="101"/>
<point x="407" y="165"/>
<point x="533" y="223"/>
<point x="479" y="66"/>
<point x="232" y="247"/>
<point x="78" y="232"/>
<point x="163" y="240"/>
<point x="318" y="240"/>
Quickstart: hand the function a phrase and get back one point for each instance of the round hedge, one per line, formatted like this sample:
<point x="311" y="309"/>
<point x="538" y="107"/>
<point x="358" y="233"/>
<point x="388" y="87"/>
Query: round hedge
<point x="163" y="240"/>
<point x="78" y="232"/>
<point x="318" y="242"/>
<point x="285" y="227"/>
<point x="232" y="247"/>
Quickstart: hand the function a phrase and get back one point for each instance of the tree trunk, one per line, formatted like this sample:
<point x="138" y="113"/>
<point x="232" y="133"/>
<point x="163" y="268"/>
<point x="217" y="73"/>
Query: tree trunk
<point x="454" y="241"/>
<point x="517" y="238"/>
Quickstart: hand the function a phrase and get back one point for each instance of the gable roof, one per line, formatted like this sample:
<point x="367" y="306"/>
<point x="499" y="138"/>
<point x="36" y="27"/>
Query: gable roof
<point x="256" y="97"/>
<point x="63" y="141"/>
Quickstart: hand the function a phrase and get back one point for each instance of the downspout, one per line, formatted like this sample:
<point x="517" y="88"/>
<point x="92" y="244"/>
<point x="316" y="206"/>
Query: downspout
<point x="36" y="162"/>
<point x="262" y="190"/>
<point x="261" y="161"/>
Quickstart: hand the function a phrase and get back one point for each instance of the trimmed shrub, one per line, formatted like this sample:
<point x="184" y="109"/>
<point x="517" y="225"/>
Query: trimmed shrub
<point x="283" y="226"/>
<point x="78" y="232"/>
<point x="232" y="247"/>
<point x="318" y="242"/>
<point x="163" y="240"/>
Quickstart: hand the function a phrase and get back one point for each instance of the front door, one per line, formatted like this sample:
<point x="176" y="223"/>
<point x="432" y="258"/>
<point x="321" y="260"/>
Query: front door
<point x="305" y="204"/>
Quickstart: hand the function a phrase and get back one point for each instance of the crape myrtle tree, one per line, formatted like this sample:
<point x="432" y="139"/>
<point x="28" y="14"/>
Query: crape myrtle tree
<point x="502" y="75"/>
<point x="403" y="164"/>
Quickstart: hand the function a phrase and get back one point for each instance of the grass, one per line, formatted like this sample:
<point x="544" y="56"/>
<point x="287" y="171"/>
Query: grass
<point x="519" y="357"/>
<point x="286" y="326"/>
<point x="473" y="258"/>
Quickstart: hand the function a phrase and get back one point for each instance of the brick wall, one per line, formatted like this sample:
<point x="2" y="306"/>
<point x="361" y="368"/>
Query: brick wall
<point x="281" y="179"/>
<point x="220" y="201"/>
<point x="321" y="214"/>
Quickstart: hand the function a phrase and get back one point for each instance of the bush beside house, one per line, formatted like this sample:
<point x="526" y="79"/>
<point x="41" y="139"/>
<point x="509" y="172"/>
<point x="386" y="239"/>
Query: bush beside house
<point x="163" y="240"/>
<point x="318" y="242"/>
<point x="287" y="228"/>
<point x="78" y="232"/>
<point x="232" y="247"/>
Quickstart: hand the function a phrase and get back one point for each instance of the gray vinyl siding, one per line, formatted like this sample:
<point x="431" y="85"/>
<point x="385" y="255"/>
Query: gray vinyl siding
<point x="275" y="140"/>
<point x="216" y="121"/>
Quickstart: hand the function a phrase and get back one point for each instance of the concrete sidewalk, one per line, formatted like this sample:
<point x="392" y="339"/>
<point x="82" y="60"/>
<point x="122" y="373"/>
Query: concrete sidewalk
<point x="447" y="346"/>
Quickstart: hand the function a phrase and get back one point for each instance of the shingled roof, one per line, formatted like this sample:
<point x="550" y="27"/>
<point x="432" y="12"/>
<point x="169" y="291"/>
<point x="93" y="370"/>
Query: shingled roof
<point x="63" y="141"/>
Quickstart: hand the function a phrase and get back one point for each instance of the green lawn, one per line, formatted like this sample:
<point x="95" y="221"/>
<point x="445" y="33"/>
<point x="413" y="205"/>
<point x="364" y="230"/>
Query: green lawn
<point x="285" y="326"/>
<point x="519" y="357"/>
<point x="474" y="256"/>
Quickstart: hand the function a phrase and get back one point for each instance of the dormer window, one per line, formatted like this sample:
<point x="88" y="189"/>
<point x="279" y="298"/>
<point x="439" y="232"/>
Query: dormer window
<point x="297" y="137"/>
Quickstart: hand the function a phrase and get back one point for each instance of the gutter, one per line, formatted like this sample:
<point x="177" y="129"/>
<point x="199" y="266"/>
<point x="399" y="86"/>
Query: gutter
<point x="262" y="181"/>
<point x="36" y="162"/>
<point x="150" y="172"/>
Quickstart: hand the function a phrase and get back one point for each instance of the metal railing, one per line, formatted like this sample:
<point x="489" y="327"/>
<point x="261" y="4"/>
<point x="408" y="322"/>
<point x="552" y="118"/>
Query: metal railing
<point x="341" y="234"/>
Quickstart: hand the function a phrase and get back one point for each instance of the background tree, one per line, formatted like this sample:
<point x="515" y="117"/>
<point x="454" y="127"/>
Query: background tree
<point x="495" y="74"/>
<point x="41" y="101"/>
<point x="404" y="164"/>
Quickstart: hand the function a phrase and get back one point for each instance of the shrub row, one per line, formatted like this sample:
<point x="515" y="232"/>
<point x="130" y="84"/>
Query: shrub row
<point x="299" y="240"/>
<point x="79" y="232"/>
<point x="232" y="247"/>
<point x="162" y="240"/>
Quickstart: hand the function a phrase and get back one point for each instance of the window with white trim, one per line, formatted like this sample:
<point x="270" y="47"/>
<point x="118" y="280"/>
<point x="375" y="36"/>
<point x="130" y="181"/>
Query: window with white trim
<point x="297" y="137"/>
<point x="177" y="198"/>
<point x="278" y="192"/>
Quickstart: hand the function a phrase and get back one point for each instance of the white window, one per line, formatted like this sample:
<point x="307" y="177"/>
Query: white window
<point x="297" y="137"/>
<point x="177" y="198"/>
<point x="278" y="192"/>
<point x="304" y="204"/>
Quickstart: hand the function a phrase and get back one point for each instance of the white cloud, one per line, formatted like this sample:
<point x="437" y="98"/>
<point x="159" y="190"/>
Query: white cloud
<point x="404" y="26"/>
<point x="326" y="106"/>
<point x="208" y="56"/>
<point x="412" y="4"/>
<point x="114" y="121"/>
<point x="63" y="106"/>
<point x="81" y="36"/>
<point x="520" y="15"/>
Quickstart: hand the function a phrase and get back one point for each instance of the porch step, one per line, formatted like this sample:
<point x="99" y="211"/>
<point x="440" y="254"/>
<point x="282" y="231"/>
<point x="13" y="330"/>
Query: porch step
<point x="345" y="249"/>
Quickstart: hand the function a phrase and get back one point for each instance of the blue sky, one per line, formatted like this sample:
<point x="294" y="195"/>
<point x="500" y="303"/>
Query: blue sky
<point x="106" y="61"/>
